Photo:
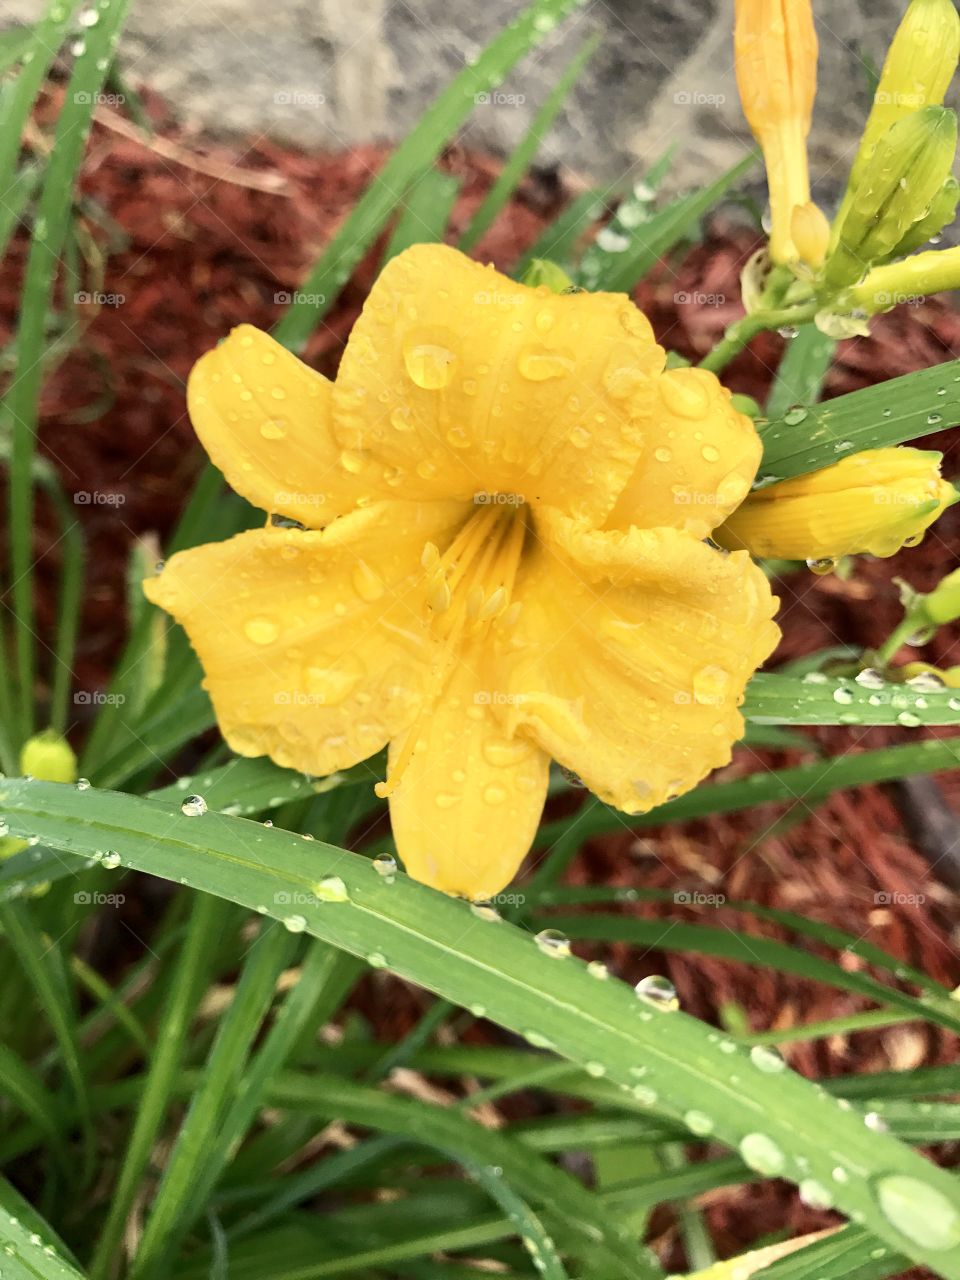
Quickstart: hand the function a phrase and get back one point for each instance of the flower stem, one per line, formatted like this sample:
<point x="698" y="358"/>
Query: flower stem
<point x="742" y="331"/>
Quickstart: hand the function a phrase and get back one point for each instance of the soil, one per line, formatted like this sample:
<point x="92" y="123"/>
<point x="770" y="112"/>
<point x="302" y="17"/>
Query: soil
<point x="187" y="238"/>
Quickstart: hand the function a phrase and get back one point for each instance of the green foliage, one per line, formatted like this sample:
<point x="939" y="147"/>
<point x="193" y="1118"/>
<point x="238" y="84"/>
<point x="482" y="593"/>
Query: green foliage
<point x="212" y="1106"/>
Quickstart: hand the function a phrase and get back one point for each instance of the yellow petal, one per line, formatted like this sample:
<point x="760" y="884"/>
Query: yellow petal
<point x="872" y="502"/>
<point x="457" y="380"/>
<point x="314" y="645"/>
<point x="467" y="807"/>
<point x="264" y="418"/>
<point x="631" y="654"/>
<point x="699" y="460"/>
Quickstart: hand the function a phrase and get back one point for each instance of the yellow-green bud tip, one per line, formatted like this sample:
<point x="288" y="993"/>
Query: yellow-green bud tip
<point x="49" y="757"/>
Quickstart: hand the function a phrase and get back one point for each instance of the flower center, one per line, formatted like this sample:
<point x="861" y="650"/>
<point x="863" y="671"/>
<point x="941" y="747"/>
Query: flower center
<point x="470" y="586"/>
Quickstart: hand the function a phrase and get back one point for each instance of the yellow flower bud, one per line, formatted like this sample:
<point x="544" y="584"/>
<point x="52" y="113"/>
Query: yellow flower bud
<point x="810" y="232"/>
<point x="49" y="757"/>
<point x="902" y="177"/>
<point x="873" y="502"/>
<point x="775" y="47"/>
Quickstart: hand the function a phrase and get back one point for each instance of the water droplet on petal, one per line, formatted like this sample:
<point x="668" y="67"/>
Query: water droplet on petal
<point x="261" y="630"/>
<point x="539" y="364"/>
<point x="428" y="361"/>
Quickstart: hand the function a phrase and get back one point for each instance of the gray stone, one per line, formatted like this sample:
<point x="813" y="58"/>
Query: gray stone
<point x="329" y="74"/>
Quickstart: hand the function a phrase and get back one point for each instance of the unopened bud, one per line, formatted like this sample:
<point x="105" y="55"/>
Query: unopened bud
<point x="903" y="175"/>
<point x="49" y="757"/>
<point x="543" y="272"/>
<point x="810" y="232"/>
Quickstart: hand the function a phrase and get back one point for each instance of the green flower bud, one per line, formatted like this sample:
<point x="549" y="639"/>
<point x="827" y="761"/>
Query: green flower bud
<point x="906" y="280"/>
<point x="49" y="757"/>
<point x="942" y="211"/>
<point x="542" y="271"/>
<point x="901" y="179"/>
<point x="942" y="604"/>
<point x="918" y="68"/>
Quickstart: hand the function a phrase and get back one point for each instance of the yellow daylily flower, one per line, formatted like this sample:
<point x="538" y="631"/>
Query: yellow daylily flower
<point x="775" y="47"/>
<point x="874" y="502"/>
<point x="506" y="498"/>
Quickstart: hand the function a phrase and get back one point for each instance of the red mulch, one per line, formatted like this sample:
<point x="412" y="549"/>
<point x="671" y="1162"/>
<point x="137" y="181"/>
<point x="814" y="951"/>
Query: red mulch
<point x="193" y="254"/>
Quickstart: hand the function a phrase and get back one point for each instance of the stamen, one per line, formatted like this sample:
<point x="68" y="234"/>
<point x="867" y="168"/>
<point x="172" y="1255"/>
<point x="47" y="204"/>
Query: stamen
<point x="470" y="588"/>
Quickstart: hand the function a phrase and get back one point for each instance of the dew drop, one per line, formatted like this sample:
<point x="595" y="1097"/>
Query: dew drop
<point x="869" y="678"/>
<point x="873" y="1120"/>
<point x="367" y="582"/>
<point x="485" y="911"/>
<point x="429" y="363"/>
<point x="82" y="784"/>
<point x="909" y="719"/>
<point x="843" y="695"/>
<point x="110" y="860"/>
<point x="659" y="992"/>
<point x="815" y="1195"/>
<point x="385" y="865"/>
<point x="822" y="567"/>
<point x="261" y="630"/>
<point x="698" y="1122"/>
<point x="539" y="364"/>
<point x="294" y="924"/>
<point x="762" y="1154"/>
<point x="553" y="943"/>
<point x="919" y="1211"/>
<point x="767" y="1060"/>
<point x="193" y="807"/>
<point x="330" y="889"/>
<point x="796" y="414"/>
<point x="597" y="969"/>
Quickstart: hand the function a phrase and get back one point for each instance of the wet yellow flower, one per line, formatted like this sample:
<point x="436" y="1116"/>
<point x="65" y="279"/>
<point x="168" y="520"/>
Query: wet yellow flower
<point x="874" y="502"/>
<point x="775" y="46"/>
<point x="506" y="499"/>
